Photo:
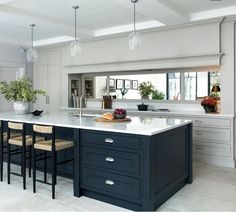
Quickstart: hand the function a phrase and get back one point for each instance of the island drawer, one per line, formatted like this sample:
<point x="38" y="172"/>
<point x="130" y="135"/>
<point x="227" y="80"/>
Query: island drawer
<point x="213" y="134"/>
<point x="112" y="160"/>
<point x="109" y="139"/>
<point x="222" y="150"/>
<point x="111" y="184"/>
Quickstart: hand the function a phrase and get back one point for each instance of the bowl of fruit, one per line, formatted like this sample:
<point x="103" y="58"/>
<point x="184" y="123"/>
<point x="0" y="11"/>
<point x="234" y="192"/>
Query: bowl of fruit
<point x="120" y="113"/>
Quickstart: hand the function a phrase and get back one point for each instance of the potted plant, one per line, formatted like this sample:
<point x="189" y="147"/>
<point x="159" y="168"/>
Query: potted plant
<point x="21" y="92"/>
<point x="146" y="89"/>
<point x="209" y="104"/>
<point x="156" y="95"/>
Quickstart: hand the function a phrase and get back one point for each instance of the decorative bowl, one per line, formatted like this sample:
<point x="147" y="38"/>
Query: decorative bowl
<point x="123" y="116"/>
<point x="37" y="112"/>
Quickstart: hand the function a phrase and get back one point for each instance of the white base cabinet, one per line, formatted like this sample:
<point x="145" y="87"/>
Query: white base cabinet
<point x="213" y="140"/>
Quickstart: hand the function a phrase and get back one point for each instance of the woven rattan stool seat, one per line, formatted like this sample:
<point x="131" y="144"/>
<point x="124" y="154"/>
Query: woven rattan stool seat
<point x="59" y="145"/>
<point x="28" y="140"/>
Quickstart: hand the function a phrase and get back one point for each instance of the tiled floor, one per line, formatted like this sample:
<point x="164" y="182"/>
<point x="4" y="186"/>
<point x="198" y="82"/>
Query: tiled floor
<point x="213" y="189"/>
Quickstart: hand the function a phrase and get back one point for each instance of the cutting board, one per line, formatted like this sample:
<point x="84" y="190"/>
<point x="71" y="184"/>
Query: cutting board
<point x="113" y="121"/>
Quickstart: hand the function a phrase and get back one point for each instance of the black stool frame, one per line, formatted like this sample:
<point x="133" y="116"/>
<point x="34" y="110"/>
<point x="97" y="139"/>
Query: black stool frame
<point x="54" y="162"/>
<point x="21" y="151"/>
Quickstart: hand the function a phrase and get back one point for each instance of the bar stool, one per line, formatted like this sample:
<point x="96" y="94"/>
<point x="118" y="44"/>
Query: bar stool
<point x="3" y="147"/>
<point x="53" y="146"/>
<point x="23" y="141"/>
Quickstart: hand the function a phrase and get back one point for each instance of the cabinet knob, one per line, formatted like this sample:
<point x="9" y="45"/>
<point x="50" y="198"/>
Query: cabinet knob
<point x="109" y="140"/>
<point x="109" y="182"/>
<point x="198" y="147"/>
<point x="109" y="159"/>
<point x="198" y="121"/>
<point x="198" y="133"/>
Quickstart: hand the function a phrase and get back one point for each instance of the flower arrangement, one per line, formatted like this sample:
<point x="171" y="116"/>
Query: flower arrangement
<point x="209" y="104"/>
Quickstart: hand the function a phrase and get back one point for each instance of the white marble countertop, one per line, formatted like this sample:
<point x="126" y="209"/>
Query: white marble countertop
<point x="140" y="125"/>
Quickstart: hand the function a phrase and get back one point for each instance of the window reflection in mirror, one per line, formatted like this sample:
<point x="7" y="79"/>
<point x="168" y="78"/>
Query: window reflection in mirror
<point x="129" y="89"/>
<point x="164" y="86"/>
<point x="173" y="89"/>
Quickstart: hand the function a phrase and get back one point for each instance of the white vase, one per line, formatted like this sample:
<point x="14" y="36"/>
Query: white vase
<point x="21" y="107"/>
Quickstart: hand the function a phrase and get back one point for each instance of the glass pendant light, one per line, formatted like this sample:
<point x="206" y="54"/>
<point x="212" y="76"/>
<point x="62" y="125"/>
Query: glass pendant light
<point x="134" y="38"/>
<point x="32" y="54"/>
<point x="75" y="46"/>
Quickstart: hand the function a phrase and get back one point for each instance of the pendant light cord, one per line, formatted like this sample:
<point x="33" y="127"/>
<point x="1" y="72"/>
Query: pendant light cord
<point x="32" y="34"/>
<point x="76" y="8"/>
<point x="32" y="37"/>
<point x="135" y="17"/>
<point x="75" y="24"/>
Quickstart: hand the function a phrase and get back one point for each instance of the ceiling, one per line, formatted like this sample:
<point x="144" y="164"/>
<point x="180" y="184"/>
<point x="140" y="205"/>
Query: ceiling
<point x="54" y="19"/>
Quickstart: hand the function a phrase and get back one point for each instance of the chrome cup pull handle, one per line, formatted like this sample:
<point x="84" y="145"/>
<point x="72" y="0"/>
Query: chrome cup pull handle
<point x="199" y="147"/>
<point x="198" y="133"/>
<point x="198" y="121"/>
<point x="109" y="159"/>
<point x="109" y="182"/>
<point x="109" y="140"/>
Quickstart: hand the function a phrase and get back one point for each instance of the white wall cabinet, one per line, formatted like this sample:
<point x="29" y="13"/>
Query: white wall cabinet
<point x="47" y="73"/>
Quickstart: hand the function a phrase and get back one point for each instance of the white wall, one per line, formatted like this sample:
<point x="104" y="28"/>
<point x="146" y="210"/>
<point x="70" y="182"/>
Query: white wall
<point x="192" y="40"/>
<point x="12" y="61"/>
<point x="195" y="45"/>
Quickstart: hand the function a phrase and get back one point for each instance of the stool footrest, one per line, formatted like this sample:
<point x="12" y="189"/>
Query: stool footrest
<point x="12" y="151"/>
<point x="39" y="159"/>
<point x="66" y="161"/>
<point x="16" y="153"/>
<point x="45" y="182"/>
<point x="17" y="174"/>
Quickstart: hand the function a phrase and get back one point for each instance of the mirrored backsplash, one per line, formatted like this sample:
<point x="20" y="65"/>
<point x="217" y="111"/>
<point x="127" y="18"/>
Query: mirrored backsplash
<point x="143" y="85"/>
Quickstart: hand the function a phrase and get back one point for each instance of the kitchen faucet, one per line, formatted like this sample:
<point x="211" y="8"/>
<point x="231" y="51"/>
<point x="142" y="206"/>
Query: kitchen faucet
<point x="81" y="103"/>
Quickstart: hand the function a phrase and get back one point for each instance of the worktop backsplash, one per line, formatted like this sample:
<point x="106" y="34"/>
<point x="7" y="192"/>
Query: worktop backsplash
<point x="152" y="105"/>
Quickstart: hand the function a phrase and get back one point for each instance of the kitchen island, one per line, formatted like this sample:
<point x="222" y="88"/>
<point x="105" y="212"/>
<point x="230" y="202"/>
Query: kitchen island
<point x="137" y="165"/>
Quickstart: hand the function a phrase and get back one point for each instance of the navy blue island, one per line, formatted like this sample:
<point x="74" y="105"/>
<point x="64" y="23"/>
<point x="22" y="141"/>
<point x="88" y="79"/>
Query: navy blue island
<point x="136" y="165"/>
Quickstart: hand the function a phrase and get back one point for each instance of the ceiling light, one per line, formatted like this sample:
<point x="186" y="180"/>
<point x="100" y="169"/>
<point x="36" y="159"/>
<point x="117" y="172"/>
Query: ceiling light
<point x="226" y="11"/>
<point x="54" y="40"/>
<point x="75" y="47"/>
<point x="32" y="54"/>
<point x="128" y="28"/>
<point x="134" y="38"/>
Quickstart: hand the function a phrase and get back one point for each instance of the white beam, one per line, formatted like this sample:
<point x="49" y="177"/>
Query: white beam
<point x="163" y="11"/>
<point x="5" y="1"/>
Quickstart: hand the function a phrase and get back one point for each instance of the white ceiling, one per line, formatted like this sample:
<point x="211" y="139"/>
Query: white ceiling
<point x="55" y="18"/>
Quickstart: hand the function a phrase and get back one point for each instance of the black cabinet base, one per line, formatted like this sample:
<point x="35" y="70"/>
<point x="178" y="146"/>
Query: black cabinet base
<point x="111" y="200"/>
<point x="145" y="206"/>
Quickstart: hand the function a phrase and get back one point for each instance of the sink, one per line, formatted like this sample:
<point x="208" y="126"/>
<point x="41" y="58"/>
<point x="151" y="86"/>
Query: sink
<point x="161" y="110"/>
<point x="86" y="115"/>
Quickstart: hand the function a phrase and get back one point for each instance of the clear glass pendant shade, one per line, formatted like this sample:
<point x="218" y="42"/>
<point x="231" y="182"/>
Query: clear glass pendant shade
<point x="134" y="40"/>
<point x="32" y="54"/>
<point x="75" y="48"/>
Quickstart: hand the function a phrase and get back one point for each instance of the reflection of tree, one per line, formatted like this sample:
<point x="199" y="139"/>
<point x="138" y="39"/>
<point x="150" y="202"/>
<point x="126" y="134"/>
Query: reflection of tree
<point x="123" y="92"/>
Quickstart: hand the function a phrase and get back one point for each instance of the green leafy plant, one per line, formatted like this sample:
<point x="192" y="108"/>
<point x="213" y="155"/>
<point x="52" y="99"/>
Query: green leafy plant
<point x="20" y="90"/>
<point x="146" y="89"/>
<point x="156" y="95"/>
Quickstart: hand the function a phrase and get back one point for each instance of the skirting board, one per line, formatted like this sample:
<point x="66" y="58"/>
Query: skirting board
<point x="213" y="160"/>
